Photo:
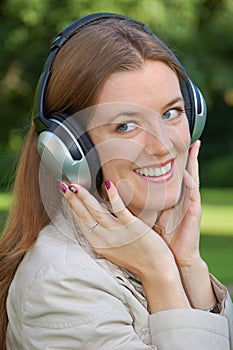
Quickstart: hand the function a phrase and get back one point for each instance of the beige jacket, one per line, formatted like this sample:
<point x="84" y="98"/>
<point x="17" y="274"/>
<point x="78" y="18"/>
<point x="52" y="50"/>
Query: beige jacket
<point x="64" y="296"/>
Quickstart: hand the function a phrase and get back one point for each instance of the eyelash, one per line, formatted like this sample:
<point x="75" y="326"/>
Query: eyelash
<point x="126" y="123"/>
<point x="179" y="111"/>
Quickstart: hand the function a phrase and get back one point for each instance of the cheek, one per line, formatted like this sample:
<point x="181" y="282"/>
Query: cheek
<point x="108" y="170"/>
<point x="117" y="150"/>
<point x="185" y="133"/>
<point x="186" y="139"/>
<point x="181" y="137"/>
<point x="115" y="169"/>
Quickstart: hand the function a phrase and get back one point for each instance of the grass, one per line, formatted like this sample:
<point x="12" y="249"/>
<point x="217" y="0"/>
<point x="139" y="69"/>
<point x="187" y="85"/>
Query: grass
<point x="217" y="251"/>
<point x="217" y="218"/>
<point x="5" y="199"/>
<point x="216" y="230"/>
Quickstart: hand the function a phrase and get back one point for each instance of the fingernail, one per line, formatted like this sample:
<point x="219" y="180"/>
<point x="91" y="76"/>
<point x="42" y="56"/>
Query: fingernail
<point x="73" y="189"/>
<point x="62" y="187"/>
<point x="108" y="184"/>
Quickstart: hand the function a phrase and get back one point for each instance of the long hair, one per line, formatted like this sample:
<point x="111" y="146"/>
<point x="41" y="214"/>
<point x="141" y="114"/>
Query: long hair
<point x="79" y="71"/>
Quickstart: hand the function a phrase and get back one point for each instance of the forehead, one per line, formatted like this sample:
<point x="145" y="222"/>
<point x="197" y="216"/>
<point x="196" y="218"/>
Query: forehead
<point x="150" y="86"/>
<point x="143" y="92"/>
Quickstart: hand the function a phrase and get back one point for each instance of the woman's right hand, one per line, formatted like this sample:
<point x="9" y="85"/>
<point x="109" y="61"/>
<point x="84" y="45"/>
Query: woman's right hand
<point x="129" y="243"/>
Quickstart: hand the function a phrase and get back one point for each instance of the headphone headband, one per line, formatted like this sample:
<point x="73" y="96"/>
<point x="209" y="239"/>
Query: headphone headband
<point x="74" y="27"/>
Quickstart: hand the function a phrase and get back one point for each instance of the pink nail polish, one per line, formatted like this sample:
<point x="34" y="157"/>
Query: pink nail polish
<point x="73" y="189"/>
<point x="108" y="184"/>
<point x="62" y="187"/>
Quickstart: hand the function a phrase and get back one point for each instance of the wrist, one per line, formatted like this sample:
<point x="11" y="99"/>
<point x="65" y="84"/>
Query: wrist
<point x="193" y="262"/>
<point x="196" y="281"/>
<point x="163" y="268"/>
<point x="193" y="268"/>
<point x="164" y="291"/>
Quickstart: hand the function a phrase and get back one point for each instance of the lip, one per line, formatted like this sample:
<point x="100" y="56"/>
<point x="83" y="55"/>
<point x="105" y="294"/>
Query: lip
<point x="158" y="179"/>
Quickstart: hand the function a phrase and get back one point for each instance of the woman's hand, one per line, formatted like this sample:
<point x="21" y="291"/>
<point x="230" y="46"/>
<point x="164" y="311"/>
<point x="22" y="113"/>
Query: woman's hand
<point x="129" y="243"/>
<point x="117" y="235"/>
<point x="181" y="225"/>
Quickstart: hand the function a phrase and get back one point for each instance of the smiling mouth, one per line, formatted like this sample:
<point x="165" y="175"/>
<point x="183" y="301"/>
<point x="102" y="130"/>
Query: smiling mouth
<point x="155" y="171"/>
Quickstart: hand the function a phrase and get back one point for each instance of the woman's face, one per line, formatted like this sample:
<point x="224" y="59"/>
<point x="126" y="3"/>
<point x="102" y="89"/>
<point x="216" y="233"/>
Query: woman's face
<point x="142" y="136"/>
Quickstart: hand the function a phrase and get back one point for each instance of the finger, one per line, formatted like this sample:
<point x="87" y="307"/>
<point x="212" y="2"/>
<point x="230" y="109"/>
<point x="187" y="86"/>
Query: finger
<point x="117" y="204"/>
<point x="84" y="206"/>
<point x="88" y="200"/>
<point x="170" y="219"/>
<point x="189" y="182"/>
<point x="192" y="165"/>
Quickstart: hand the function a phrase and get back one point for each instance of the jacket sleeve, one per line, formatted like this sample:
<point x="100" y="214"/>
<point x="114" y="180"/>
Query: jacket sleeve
<point x="189" y="329"/>
<point x="195" y="329"/>
<point x="73" y="307"/>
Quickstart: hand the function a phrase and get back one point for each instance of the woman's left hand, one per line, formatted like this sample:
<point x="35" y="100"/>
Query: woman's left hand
<point x="181" y="227"/>
<point x="181" y="224"/>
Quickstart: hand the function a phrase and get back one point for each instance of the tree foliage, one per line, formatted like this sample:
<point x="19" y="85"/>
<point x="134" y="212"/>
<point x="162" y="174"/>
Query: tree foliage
<point x="200" y="32"/>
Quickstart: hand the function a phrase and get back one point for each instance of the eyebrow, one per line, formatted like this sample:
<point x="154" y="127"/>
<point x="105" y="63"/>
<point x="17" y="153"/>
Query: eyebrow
<point x="125" y="113"/>
<point x="173" y="102"/>
<point x="129" y="113"/>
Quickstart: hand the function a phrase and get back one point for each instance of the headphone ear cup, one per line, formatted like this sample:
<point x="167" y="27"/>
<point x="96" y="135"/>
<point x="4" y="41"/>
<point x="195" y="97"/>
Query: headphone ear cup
<point x="83" y="142"/>
<point x="92" y="158"/>
<point x="200" y="113"/>
<point x="55" y="155"/>
<point x="195" y="108"/>
<point x="70" y="155"/>
<point x="188" y="103"/>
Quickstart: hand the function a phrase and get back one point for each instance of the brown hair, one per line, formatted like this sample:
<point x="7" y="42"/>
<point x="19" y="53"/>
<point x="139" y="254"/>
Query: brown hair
<point x="80" y="69"/>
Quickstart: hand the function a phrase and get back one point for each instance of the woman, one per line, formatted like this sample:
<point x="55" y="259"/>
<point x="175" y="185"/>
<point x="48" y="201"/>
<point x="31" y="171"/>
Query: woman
<point x="115" y="265"/>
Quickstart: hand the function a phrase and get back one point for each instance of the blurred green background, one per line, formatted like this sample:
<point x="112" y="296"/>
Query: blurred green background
<point x="199" y="31"/>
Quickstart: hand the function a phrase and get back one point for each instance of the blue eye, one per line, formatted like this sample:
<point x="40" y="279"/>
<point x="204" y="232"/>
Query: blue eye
<point x="127" y="127"/>
<point x="172" y="113"/>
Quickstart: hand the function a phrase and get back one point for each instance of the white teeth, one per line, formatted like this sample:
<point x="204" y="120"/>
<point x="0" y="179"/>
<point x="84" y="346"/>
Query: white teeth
<point x="168" y="166"/>
<point x="155" y="171"/>
<point x="151" y="172"/>
<point x="163" y="170"/>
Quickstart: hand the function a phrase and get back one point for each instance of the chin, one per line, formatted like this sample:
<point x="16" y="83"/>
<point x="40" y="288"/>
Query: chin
<point x="152" y="206"/>
<point x="172" y="200"/>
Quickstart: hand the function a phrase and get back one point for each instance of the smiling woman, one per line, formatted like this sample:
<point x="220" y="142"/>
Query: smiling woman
<point x="105" y="221"/>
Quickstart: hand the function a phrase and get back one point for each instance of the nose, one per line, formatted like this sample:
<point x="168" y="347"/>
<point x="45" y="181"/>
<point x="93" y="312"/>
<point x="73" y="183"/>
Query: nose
<point x="157" y="141"/>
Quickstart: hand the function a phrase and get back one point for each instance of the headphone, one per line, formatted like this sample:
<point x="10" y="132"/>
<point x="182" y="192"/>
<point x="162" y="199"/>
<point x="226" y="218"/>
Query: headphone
<point x="64" y="145"/>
